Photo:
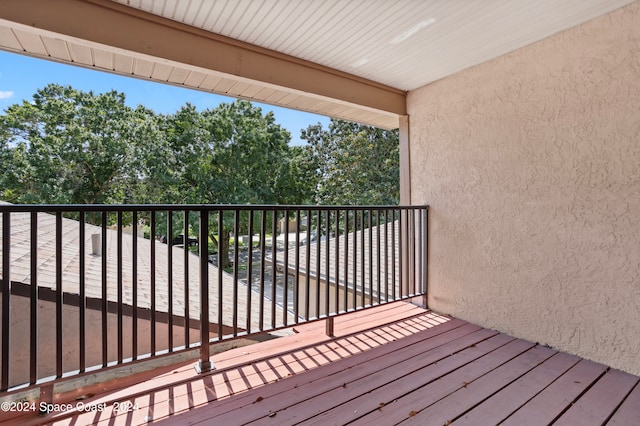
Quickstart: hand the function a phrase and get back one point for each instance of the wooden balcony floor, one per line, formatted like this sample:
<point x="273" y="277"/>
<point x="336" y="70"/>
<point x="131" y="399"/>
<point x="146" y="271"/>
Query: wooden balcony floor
<point x="393" y="364"/>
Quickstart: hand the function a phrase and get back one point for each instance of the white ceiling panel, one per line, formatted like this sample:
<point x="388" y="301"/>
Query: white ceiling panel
<point x="375" y="50"/>
<point x="385" y="41"/>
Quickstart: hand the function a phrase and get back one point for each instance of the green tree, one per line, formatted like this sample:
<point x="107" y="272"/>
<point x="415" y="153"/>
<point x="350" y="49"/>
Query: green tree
<point x="69" y="146"/>
<point x="232" y="154"/>
<point x="354" y="164"/>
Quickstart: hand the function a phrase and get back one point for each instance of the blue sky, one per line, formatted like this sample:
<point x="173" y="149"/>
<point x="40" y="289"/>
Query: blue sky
<point x="21" y="76"/>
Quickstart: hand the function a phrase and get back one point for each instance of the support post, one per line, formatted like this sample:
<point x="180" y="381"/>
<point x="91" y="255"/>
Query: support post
<point x="407" y="229"/>
<point x="405" y="161"/>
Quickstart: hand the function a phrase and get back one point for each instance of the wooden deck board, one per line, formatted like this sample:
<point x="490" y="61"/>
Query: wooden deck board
<point x="277" y="364"/>
<point x="422" y="397"/>
<point x="302" y="403"/>
<point x="499" y="406"/>
<point x="317" y="381"/>
<point x="346" y="409"/>
<point x="600" y="401"/>
<point x="475" y="391"/>
<point x="255" y="355"/>
<point x="334" y="369"/>
<point x="629" y="412"/>
<point x="553" y="400"/>
<point x="393" y="366"/>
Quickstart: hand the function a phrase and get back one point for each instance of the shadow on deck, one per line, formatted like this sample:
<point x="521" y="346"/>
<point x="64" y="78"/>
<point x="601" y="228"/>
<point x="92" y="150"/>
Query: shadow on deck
<point x="392" y="364"/>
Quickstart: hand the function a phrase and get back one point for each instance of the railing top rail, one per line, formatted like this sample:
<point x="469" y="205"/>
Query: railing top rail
<point x="191" y="207"/>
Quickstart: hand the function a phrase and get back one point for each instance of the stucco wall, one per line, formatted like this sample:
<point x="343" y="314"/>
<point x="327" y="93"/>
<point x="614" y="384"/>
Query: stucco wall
<point x="531" y="166"/>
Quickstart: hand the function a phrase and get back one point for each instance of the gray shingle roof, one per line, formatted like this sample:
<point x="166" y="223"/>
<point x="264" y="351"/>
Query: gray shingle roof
<point x="371" y="256"/>
<point x="20" y="270"/>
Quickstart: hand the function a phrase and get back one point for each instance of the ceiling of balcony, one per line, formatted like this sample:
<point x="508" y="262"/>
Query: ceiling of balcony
<point x="344" y="58"/>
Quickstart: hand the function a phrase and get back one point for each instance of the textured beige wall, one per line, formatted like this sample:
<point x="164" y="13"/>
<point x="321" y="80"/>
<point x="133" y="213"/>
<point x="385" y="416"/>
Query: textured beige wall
<point x="531" y="164"/>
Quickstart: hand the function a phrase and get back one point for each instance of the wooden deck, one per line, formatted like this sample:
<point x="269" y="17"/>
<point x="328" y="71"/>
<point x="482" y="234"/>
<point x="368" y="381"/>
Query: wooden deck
<point x="393" y="364"/>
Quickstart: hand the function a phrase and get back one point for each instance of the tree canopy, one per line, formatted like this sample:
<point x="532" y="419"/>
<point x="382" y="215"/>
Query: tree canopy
<point x="67" y="146"/>
<point x="70" y="146"/>
<point x="354" y="164"/>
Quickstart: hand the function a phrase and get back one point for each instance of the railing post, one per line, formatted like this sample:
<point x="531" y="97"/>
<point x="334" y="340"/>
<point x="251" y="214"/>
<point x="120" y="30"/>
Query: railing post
<point x="425" y="257"/>
<point x="33" y="309"/>
<point x="329" y="326"/>
<point x="6" y="291"/>
<point x="59" y="296"/>
<point x="205" y="363"/>
<point x="407" y="252"/>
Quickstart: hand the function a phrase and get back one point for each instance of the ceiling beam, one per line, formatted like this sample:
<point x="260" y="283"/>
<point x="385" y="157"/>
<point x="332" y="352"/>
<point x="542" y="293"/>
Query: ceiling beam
<point x="113" y="24"/>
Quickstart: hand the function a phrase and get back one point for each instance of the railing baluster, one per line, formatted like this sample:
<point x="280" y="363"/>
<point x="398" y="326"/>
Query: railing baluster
<point x="355" y="260"/>
<point x="370" y="247"/>
<point x="152" y="280"/>
<point x="103" y="242"/>
<point x="263" y="249"/>
<point x="394" y="261"/>
<point x="425" y="259"/>
<point x="318" y="253"/>
<point x="203" y="248"/>
<point x="236" y="227"/>
<point x="6" y="300"/>
<point x="59" y="294"/>
<point x="285" y="294"/>
<point x="296" y="295"/>
<point x="221" y="262"/>
<point x="346" y="260"/>
<point x="186" y="250"/>
<point x="378" y="258"/>
<point x="414" y="252"/>
<point x="418" y="254"/>
<point x="307" y="295"/>
<point x="249" y="272"/>
<point x="274" y="271"/>
<point x="386" y="255"/>
<point x="169" y="300"/>
<point x="362" y="258"/>
<point x="337" y="262"/>
<point x="401" y="253"/>
<point x="119" y="287"/>
<point x="406" y="253"/>
<point x="134" y="285"/>
<point x="33" y="332"/>
<point x="327" y="273"/>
